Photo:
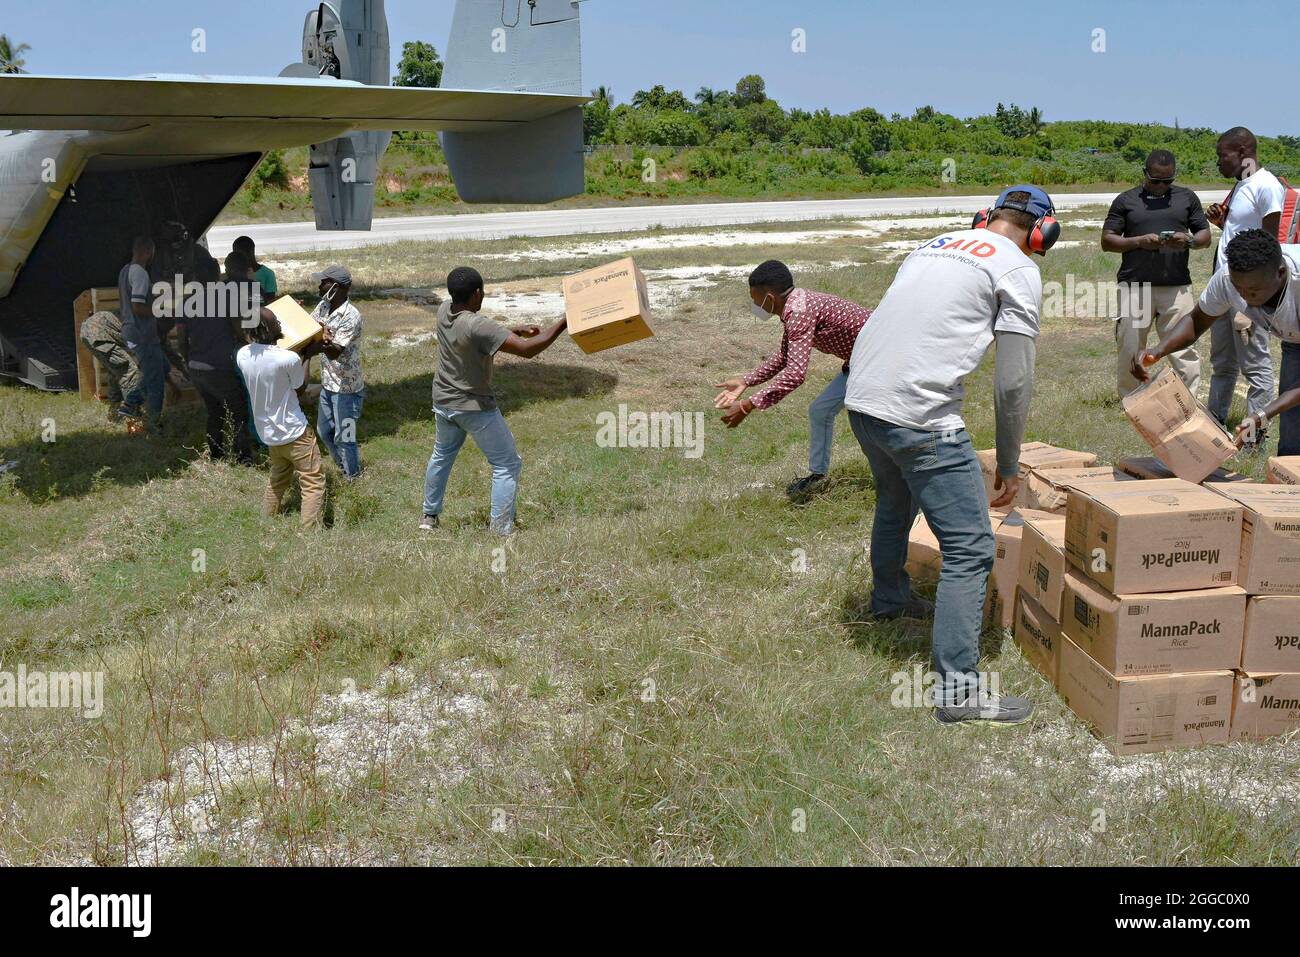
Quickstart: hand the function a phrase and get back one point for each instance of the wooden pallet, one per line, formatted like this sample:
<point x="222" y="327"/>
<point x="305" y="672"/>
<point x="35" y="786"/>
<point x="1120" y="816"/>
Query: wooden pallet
<point x="92" y="377"/>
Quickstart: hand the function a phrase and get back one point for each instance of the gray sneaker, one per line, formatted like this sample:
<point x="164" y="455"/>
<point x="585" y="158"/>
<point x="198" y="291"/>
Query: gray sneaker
<point x="429" y="523"/>
<point x="1001" y="710"/>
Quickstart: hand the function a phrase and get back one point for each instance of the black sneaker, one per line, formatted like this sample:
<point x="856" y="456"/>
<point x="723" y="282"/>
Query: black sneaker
<point x="429" y="523"/>
<point x="918" y="608"/>
<point x="806" y="487"/>
<point x="1000" y="710"/>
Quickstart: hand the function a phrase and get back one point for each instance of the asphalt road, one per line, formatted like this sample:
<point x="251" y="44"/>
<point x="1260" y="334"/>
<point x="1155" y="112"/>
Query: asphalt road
<point x="295" y="237"/>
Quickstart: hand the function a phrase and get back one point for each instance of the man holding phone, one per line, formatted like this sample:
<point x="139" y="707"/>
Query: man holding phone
<point x="1240" y="346"/>
<point x="1154" y="226"/>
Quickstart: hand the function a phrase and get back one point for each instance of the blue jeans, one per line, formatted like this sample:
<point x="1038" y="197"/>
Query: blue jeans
<point x="1229" y="355"/>
<point x="494" y="439"/>
<point x="336" y="424"/>
<point x="153" y="372"/>
<point x="1290" y="419"/>
<point x="821" y="423"/>
<point x="940" y="476"/>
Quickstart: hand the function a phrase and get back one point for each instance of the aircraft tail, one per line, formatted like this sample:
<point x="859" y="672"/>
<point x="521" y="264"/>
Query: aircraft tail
<point x="530" y="46"/>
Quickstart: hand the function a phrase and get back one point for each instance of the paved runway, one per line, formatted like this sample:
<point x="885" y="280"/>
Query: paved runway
<point x="293" y="237"/>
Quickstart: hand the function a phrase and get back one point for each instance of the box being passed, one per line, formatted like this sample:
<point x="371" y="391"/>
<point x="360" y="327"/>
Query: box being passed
<point x="299" y="328"/>
<point x="1182" y="434"/>
<point x="1162" y="535"/>
<point x="608" y="306"/>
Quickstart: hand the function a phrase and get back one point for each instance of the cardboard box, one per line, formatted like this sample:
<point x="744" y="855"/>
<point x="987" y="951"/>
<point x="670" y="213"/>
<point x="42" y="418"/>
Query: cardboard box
<point x="1043" y="563"/>
<point x="1162" y="535"/>
<point x="1179" y="430"/>
<point x="1131" y="635"/>
<point x="1039" y="636"/>
<point x="1140" y="715"/>
<point x="1033" y="455"/>
<point x="1272" y="642"/>
<point x="299" y="328"/>
<point x="1270" y="536"/>
<point x="1149" y="467"/>
<point x="1284" y="470"/>
<point x="924" y="562"/>
<point x="1008" y="532"/>
<point x="1265" y="705"/>
<point x="608" y="306"/>
<point x="1048" y="490"/>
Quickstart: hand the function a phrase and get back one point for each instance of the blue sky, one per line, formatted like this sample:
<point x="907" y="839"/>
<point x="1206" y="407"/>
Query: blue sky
<point x="1164" y="59"/>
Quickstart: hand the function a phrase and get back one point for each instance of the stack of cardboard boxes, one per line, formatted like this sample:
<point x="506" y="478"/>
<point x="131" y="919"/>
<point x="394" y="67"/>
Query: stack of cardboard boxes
<point x="1267" y="701"/>
<point x="1166" y="613"/>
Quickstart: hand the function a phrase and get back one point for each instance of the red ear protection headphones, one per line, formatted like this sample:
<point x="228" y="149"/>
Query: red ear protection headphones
<point x="1042" y="237"/>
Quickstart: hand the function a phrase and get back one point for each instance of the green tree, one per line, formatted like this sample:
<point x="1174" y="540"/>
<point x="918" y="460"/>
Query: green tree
<point x="750" y="89"/>
<point x="596" y="115"/>
<point x="420" y="65"/>
<point x="11" y="55"/>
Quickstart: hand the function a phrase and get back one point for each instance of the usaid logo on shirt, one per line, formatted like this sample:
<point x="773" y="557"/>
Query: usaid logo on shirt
<point x="971" y="247"/>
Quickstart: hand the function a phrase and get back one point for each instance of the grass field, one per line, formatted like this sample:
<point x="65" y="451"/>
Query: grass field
<point x="644" y="675"/>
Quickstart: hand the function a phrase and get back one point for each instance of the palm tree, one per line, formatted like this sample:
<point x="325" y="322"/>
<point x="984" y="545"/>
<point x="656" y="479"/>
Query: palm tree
<point x="11" y="55"/>
<point x="1036" y="122"/>
<point x="603" y="94"/>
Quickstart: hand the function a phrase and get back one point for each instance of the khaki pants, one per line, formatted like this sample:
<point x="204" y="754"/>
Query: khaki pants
<point x="300" y="457"/>
<point x="1133" y="329"/>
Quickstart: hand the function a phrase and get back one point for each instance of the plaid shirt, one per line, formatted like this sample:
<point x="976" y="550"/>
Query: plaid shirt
<point x="812" y="320"/>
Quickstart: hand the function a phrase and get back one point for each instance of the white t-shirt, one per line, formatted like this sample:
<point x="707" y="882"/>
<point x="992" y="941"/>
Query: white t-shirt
<point x="1258" y="195"/>
<point x="935" y="324"/>
<point x="1221" y="296"/>
<point x="272" y="376"/>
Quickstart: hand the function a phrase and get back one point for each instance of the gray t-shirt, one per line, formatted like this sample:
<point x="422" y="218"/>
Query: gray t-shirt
<point x="133" y="286"/>
<point x="467" y="343"/>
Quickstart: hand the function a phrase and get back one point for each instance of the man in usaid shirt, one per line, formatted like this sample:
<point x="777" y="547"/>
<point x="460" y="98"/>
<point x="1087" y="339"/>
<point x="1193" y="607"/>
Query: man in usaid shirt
<point x="951" y="299"/>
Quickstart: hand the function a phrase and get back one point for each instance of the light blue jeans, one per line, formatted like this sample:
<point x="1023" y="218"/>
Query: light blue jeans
<point x="336" y="424"/>
<point x="494" y="439"/>
<point x="821" y="424"/>
<point x="938" y="474"/>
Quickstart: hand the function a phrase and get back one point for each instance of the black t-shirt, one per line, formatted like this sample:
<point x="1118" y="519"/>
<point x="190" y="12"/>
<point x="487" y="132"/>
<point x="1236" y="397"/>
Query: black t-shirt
<point x="1138" y="213"/>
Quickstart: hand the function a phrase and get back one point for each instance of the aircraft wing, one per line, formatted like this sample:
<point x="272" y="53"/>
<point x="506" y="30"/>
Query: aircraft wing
<point x="118" y="105"/>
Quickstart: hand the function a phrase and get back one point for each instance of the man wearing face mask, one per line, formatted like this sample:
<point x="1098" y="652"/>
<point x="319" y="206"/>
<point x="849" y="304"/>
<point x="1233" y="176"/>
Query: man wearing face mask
<point x="342" y="388"/>
<point x="811" y="320"/>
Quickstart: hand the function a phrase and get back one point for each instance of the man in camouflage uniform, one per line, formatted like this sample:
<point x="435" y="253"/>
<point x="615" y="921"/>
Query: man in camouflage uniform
<point x="102" y="335"/>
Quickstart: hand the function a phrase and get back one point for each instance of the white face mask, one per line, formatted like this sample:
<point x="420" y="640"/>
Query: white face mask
<point x="761" y="311"/>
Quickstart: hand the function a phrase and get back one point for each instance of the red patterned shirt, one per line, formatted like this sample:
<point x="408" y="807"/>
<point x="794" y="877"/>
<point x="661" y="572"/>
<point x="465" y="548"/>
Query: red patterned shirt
<point x="812" y="320"/>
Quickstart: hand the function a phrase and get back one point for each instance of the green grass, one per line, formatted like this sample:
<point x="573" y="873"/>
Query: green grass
<point x="646" y="681"/>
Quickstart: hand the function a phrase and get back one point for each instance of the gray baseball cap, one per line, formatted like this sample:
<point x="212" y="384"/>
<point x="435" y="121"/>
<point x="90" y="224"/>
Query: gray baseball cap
<point x="337" y="273"/>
